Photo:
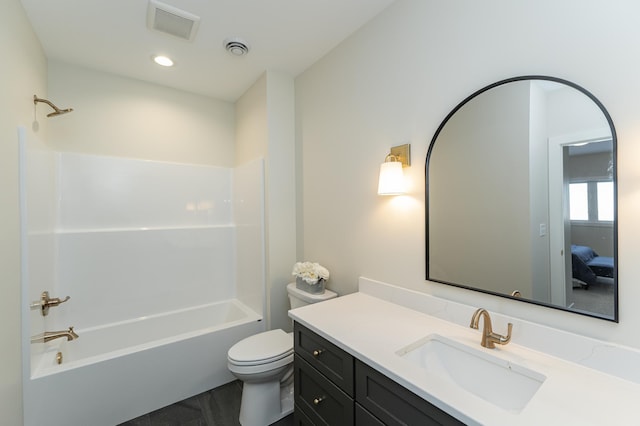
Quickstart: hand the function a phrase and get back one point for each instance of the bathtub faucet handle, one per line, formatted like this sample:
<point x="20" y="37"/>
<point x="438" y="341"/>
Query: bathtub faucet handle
<point x="46" y="302"/>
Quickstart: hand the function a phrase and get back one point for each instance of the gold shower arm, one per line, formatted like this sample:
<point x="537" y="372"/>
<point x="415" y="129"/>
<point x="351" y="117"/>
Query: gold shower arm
<point x="57" y="111"/>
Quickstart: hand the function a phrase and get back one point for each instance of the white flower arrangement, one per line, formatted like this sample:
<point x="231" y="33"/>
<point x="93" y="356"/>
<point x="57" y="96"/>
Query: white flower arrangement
<point x="310" y="272"/>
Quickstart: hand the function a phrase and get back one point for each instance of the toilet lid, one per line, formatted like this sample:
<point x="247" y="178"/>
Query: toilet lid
<point x="262" y="348"/>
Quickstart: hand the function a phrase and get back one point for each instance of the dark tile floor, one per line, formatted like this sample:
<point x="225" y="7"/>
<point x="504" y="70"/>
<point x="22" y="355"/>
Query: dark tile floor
<point x="217" y="407"/>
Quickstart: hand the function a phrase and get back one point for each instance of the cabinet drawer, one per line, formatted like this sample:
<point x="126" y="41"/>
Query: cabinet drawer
<point x="392" y="403"/>
<point x="329" y="359"/>
<point x="365" y="418"/>
<point x="319" y="399"/>
<point x="300" y="418"/>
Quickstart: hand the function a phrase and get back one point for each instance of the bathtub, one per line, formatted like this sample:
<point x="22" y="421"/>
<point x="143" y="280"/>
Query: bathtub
<point x="119" y="371"/>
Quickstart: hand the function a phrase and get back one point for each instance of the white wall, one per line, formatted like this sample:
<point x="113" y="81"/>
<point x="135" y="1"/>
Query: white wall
<point x="252" y="129"/>
<point x="265" y="129"/>
<point x="251" y="145"/>
<point x="281" y="187"/>
<point x="398" y="77"/>
<point x="123" y="117"/>
<point x="539" y="194"/>
<point x="487" y="232"/>
<point x="24" y="70"/>
<point x="572" y="114"/>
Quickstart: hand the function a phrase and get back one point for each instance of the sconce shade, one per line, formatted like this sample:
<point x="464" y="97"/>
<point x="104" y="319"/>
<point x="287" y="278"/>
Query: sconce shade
<point x="391" y="181"/>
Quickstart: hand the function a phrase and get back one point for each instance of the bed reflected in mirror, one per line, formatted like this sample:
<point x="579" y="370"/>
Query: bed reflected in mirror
<point x="521" y="196"/>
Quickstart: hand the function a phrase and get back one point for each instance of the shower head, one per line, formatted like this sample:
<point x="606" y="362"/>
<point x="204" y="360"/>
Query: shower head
<point x="57" y="111"/>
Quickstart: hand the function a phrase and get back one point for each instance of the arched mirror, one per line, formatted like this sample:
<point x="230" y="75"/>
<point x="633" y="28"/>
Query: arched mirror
<point x="521" y="196"/>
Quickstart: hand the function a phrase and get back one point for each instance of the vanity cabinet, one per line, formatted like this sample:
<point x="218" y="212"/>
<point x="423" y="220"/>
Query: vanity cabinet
<point x="334" y="388"/>
<point x="393" y="404"/>
<point x="323" y="388"/>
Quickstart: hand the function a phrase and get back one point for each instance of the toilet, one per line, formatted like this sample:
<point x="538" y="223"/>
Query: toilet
<point x="264" y="363"/>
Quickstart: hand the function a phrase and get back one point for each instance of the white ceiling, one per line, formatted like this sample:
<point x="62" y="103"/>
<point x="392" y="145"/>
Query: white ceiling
<point x="112" y="36"/>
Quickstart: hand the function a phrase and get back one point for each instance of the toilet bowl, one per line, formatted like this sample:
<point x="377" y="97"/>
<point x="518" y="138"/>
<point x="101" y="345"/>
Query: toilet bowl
<point x="264" y="363"/>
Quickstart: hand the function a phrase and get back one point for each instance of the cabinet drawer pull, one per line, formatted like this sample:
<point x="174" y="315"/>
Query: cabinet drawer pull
<point x="317" y="400"/>
<point x="317" y="352"/>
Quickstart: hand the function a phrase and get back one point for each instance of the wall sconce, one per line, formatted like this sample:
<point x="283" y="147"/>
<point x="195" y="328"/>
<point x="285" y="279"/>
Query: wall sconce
<point x="391" y="181"/>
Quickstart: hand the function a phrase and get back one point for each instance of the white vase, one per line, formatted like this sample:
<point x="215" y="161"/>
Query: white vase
<point x="317" y="288"/>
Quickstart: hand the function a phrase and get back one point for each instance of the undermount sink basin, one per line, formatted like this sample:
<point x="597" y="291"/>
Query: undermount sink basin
<point x="498" y="381"/>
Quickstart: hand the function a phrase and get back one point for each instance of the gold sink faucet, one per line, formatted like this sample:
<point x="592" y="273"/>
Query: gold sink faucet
<point x="489" y="338"/>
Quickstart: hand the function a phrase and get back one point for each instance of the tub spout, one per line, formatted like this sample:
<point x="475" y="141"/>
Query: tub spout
<point x="51" y="335"/>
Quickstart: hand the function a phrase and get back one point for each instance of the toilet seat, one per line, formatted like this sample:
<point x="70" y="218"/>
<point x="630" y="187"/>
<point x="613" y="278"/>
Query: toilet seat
<point x="274" y="346"/>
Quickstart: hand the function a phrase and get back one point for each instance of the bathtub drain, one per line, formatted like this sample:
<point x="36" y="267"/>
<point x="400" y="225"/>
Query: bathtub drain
<point x="59" y="357"/>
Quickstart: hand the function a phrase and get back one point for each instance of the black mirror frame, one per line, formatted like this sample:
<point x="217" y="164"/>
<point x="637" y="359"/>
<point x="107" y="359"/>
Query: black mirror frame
<point x="615" y="186"/>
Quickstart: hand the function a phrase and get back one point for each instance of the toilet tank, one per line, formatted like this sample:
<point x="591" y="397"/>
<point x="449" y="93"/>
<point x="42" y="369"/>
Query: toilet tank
<point x="298" y="298"/>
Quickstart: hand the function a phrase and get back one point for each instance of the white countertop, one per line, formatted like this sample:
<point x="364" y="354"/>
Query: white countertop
<point x="372" y="330"/>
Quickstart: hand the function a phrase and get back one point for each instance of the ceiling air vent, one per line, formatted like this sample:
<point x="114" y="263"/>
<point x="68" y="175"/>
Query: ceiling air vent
<point x="171" y="20"/>
<point x="236" y="46"/>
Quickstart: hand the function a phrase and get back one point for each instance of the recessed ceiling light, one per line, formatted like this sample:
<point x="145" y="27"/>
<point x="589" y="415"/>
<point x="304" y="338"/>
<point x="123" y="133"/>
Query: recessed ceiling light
<point x="163" y="60"/>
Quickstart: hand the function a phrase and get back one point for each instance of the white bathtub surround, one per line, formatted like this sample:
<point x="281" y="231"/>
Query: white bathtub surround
<point x="116" y="275"/>
<point x="249" y="219"/>
<point x="114" y="193"/>
<point x="38" y="220"/>
<point x="142" y="248"/>
<point x="579" y="379"/>
<point x="138" y="238"/>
